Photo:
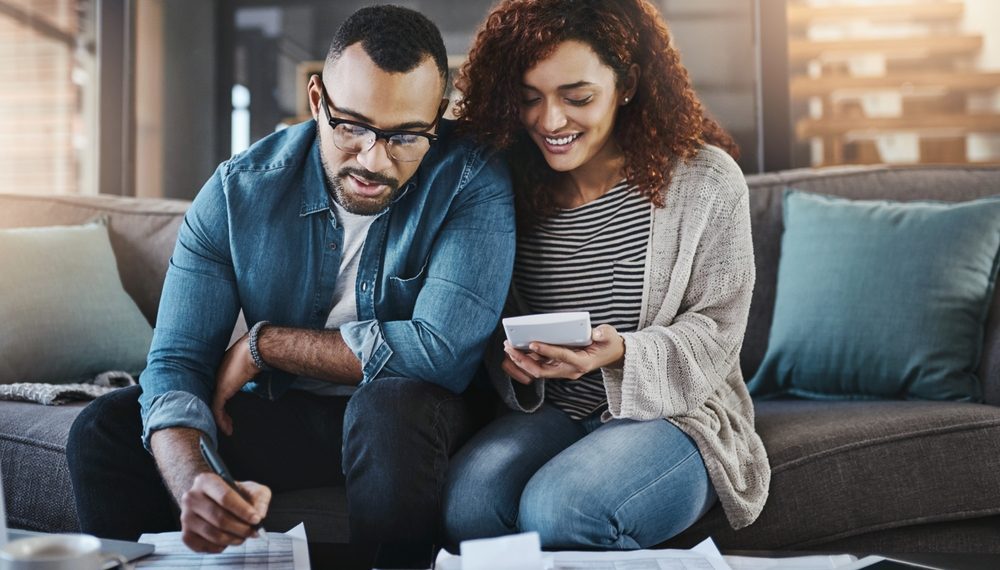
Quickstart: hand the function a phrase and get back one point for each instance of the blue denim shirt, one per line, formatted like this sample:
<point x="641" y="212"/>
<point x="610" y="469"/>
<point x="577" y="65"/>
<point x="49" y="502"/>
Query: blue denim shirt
<point x="261" y="237"/>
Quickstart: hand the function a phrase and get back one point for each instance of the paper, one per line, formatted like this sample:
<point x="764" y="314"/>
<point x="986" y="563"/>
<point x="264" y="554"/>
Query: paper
<point x="513" y="552"/>
<point x="827" y="562"/>
<point x="289" y="550"/>
<point x="705" y="556"/>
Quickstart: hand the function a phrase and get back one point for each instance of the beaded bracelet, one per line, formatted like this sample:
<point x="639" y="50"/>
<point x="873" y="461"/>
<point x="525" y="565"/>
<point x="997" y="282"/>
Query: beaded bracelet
<point x="254" y="352"/>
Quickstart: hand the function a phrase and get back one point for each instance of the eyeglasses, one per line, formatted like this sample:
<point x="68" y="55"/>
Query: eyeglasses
<point x="354" y="137"/>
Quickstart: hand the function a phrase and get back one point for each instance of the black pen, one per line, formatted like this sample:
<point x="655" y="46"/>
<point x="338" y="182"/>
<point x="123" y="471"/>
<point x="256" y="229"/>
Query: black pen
<point x="215" y="462"/>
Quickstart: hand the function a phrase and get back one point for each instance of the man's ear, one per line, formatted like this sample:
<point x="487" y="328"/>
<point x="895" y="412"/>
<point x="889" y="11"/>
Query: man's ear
<point x="443" y="107"/>
<point x="315" y="95"/>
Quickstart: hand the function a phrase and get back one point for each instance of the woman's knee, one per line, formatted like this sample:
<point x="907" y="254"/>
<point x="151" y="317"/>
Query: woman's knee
<point x="479" y="501"/>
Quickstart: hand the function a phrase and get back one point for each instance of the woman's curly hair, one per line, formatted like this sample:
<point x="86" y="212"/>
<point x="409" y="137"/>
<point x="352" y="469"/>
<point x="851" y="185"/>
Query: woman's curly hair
<point x="663" y="124"/>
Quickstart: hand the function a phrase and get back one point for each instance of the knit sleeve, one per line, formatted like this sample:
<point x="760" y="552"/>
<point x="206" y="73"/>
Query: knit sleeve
<point x="672" y="369"/>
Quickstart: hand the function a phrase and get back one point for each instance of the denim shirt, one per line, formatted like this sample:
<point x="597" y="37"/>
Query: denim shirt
<point x="261" y="236"/>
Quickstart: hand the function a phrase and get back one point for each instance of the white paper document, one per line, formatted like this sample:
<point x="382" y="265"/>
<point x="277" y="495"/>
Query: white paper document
<point x="277" y="551"/>
<point x="818" y="562"/>
<point x="503" y="550"/>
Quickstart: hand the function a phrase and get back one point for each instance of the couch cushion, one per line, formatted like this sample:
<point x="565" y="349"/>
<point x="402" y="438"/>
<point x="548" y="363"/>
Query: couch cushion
<point x="841" y="469"/>
<point x="881" y="299"/>
<point x="65" y="314"/>
<point x="948" y="184"/>
<point x="33" y="462"/>
<point x="142" y="232"/>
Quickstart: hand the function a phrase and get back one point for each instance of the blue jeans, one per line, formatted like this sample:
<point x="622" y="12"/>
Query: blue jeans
<point x="580" y="484"/>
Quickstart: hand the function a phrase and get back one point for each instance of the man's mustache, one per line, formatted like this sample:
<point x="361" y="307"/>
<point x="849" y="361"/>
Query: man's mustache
<point x="369" y="176"/>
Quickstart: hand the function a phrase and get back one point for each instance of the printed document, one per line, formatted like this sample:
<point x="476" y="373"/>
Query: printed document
<point x="289" y="550"/>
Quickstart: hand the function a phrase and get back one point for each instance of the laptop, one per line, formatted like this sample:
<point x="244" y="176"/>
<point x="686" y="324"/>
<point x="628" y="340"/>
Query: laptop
<point x="130" y="550"/>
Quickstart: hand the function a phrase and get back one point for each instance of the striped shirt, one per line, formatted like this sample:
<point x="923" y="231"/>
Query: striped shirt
<point x="589" y="258"/>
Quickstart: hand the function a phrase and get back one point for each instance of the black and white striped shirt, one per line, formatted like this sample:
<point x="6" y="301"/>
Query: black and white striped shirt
<point x="589" y="258"/>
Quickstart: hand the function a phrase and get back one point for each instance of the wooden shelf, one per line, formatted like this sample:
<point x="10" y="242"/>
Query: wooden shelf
<point x="836" y="126"/>
<point x="802" y="15"/>
<point x="803" y="87"/>
<point x="801" y="50"/>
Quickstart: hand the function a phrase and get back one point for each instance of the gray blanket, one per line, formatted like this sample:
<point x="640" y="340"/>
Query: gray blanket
<point x="55" y="394"/>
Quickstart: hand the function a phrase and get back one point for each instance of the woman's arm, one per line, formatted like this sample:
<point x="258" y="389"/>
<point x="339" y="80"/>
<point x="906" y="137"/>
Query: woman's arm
<point x="673" y="368"/>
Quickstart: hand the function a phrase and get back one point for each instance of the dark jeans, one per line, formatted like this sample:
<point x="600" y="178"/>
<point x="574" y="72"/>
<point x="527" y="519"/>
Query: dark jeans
<point x="392" y="437"/>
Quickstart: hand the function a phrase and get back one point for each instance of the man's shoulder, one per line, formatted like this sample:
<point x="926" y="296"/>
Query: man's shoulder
<point x="288" y="147"/>
<point x="456" y="146"/>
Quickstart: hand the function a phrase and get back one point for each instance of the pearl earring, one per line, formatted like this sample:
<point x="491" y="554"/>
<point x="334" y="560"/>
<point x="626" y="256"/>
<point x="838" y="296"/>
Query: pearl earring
<point x="626" y="100"/>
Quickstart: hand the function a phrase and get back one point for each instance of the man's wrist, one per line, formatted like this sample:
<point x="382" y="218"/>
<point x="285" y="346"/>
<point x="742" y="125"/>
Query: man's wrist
<point x="254" y="348"/>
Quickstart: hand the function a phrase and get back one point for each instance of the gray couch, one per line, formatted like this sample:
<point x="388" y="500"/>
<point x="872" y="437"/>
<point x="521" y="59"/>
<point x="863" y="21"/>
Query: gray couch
<point x="848" y="476"/>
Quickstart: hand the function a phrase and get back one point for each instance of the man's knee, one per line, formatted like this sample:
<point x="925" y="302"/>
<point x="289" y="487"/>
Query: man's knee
<point x="389" y="402"/>
<point x="113" y="416"/>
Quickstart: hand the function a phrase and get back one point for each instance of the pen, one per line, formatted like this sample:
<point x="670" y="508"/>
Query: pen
<point x="215" y="462"/>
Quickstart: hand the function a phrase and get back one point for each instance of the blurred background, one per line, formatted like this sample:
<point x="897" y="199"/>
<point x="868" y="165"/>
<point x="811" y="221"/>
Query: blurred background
<point x="146" y="97"/>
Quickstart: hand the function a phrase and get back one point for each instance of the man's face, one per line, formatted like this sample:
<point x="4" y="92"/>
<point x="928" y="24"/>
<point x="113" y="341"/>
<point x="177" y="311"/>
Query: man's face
<point x="358" y="90"/>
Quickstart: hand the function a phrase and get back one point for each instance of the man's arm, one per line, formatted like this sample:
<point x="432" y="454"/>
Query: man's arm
<point x="198" y="309"/>
<point x="320" y="354"/>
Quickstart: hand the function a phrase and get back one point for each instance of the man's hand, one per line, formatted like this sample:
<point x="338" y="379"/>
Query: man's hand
<point x="214" y="516"/>
<point x="237" y="369"/>
<point x="560" y="362"/>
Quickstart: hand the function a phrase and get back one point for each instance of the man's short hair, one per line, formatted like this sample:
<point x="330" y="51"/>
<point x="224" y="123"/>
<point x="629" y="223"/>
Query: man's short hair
<point x="397" y="39"/>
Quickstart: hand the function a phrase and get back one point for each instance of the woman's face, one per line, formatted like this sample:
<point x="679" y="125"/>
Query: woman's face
<point x="568" y="105"/>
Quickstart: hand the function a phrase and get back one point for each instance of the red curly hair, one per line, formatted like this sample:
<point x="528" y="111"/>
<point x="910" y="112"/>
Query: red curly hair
<point x="663" y="124"/>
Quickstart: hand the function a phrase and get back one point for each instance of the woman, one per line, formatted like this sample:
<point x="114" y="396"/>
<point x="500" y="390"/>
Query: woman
<point x="626" y="210"/>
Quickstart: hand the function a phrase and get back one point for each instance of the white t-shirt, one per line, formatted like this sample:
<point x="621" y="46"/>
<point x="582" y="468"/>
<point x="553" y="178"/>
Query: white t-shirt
<point x="345" y="305"/>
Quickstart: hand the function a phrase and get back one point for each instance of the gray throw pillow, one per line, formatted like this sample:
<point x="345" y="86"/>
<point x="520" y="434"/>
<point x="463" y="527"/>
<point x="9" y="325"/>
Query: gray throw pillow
<point x="64" y="316"/>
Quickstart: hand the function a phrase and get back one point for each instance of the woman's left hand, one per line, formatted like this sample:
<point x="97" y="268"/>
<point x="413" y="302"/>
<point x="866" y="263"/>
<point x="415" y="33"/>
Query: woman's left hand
<point x="607" y="349"/>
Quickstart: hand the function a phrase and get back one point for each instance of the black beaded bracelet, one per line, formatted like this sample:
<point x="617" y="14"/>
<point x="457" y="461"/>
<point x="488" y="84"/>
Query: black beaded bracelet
<point x="254" y="352"/>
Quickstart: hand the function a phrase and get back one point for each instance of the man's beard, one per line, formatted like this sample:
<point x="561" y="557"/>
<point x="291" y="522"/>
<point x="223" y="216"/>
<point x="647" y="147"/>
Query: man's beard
<point x="360" y="205"/>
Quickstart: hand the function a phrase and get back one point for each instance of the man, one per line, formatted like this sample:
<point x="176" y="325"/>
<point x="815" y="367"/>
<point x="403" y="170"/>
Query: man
<point x="371" y="250"/>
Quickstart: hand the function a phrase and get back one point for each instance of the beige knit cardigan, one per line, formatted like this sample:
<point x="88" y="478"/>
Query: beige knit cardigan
<point x="682" y="364"/>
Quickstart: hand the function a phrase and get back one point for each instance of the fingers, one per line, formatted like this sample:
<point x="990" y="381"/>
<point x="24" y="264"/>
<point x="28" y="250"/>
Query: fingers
<point x="515" y="372"/>
<point x="604" y="333"/>
<point x="260" y="496"/>
<point x="214" y="516"/>
<point x="545" y="368"/>
<point x="222" y="418"/>
<point x="232" y="502"/>
<point x="553" y="352"/>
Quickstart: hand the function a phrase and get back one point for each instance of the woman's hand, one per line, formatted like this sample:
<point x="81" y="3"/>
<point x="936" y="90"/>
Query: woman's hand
<point x="607" y="349"/>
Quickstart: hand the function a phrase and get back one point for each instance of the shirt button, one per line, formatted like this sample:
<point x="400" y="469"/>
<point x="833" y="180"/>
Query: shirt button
<point x="333" y="246"/>
<point x="364" y="286"/>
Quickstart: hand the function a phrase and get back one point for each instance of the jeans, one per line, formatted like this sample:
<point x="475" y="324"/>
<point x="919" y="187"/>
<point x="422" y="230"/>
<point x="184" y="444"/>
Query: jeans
<point x="580" y="484"/>
<point x="388" y="444"/>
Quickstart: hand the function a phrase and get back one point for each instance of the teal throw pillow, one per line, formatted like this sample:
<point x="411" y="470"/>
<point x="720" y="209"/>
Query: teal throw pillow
<point x="64" y="315"/>
<point x="881" y="300"/>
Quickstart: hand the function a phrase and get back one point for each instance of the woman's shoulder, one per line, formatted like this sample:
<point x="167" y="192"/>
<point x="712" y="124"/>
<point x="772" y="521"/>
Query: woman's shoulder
<point x="711" y="178"/>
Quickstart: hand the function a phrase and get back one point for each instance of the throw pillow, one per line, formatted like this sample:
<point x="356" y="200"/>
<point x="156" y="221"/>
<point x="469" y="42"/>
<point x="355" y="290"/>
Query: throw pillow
<point x="64" y="316"/>
<point x="881" y="300"/>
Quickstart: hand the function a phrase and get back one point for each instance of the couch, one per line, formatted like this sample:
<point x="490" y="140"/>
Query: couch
<point x="890" y="476"/>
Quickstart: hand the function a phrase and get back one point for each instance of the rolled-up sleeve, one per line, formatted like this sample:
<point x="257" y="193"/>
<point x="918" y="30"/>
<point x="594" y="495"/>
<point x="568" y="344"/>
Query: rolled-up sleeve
<point x="178" y="409"/>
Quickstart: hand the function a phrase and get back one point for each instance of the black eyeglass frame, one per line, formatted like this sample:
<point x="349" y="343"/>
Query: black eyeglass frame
<point x="379" y="133"/>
